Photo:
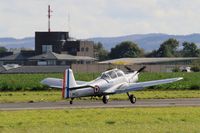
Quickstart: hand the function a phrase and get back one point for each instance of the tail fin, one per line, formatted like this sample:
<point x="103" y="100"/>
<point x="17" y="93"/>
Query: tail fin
<point x="68" y="82"/>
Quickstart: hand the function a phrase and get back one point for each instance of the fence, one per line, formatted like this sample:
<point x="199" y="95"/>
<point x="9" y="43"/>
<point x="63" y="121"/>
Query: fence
<point x="86" y="68"/>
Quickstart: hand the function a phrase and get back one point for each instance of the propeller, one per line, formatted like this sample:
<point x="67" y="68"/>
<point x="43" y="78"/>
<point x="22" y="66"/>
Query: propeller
<point x="138" y="71"/>
<point x="141" y="69"/>
<point x="129" y="69"/>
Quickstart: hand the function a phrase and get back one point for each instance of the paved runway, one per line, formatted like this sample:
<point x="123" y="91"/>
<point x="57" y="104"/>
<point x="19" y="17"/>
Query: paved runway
<point x="99" y="104"/>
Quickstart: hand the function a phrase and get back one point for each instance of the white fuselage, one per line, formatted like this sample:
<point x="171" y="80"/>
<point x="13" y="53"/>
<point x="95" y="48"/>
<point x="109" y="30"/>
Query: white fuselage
<point x="102" y="85"/>
<point x="110" y="82"/>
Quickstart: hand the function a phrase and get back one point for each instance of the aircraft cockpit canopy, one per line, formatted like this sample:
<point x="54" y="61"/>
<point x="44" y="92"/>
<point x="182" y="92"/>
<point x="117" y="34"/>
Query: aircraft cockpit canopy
<point x="112" y="74"/>
<point x="105" y="76"/>
<point x="119" y="73"/>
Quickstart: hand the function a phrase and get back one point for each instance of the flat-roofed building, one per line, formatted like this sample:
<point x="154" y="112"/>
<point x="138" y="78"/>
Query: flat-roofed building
<point x="18" y="58"/>
<point x="60" y="42"/>
<point x="46" y="59"/>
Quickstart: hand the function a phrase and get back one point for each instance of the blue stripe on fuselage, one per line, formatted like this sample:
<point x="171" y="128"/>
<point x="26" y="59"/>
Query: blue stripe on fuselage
<point x="67" y="87"/>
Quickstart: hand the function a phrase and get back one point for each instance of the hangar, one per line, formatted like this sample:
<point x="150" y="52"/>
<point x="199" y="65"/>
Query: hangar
<point x="46" y="59"/>
<point x="151" y="61"/>
<point x="52" y="58"/>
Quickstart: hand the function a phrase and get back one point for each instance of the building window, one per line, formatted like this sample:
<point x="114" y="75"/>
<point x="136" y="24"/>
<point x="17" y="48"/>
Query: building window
<point x="62" y="37"/>
<point x="51" y="62"/>
<point x="46" y="48"/>
<point x="82" y="49"/>
<point x="87" y="49"/>
<point x="73" y="50"/>
<point x="42" y="63"/>
<point x="62" y="63"/>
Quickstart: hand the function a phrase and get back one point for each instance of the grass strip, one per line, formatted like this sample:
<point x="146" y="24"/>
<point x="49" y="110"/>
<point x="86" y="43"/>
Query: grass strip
<point x="140" y="120"/>
<point x="37" y="96"/>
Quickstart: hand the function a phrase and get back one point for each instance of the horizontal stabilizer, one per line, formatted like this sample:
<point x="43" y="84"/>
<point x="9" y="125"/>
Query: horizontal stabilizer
<point x="57" y="83"/>
<point x="81" y="87"/>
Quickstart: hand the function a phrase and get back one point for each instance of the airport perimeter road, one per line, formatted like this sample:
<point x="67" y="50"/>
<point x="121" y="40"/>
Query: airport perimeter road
<point x="99" y="104"/>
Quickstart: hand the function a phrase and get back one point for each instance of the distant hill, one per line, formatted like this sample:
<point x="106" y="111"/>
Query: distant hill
<point x="146" y="41"/>
<point x="28" y="42"/>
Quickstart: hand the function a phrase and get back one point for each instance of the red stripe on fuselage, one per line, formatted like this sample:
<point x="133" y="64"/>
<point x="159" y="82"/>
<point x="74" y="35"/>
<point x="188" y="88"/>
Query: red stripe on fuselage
<point x="64" y="85"/>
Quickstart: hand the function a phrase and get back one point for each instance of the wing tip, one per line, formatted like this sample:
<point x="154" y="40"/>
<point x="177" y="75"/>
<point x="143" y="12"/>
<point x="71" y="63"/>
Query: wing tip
<point x="179" y="78"/>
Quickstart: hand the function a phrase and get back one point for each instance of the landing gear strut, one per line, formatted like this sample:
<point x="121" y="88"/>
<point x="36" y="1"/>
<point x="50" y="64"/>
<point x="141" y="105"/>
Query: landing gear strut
<point x="71" y="101"/>
<point x="105" y="99"/>
<point x="132" y="98"/>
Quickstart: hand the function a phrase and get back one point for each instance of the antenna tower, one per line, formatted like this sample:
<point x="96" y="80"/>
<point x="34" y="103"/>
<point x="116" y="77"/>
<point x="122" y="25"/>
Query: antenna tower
<point x="69" y="28"/>
<point x="49" y="17"/>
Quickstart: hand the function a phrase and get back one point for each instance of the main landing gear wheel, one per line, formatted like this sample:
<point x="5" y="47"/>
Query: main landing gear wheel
<point x="132" y="98"/>
<point x="105" y="99"/>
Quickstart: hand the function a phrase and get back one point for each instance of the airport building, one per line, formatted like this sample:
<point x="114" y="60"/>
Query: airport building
<point x="53" y="48"/>
<point x="61" y="43"/>
<point x="58" y="45"/>
<point x="52" y="59"/>
<point x="5" y="54"/>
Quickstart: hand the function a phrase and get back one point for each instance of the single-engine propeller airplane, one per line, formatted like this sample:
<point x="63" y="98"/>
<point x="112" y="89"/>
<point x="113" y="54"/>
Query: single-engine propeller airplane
<point x="110" y="82"/>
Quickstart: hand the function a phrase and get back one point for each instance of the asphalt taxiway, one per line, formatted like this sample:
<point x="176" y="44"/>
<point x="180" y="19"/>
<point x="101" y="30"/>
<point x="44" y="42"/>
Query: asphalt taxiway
<point x="98" y="104"/>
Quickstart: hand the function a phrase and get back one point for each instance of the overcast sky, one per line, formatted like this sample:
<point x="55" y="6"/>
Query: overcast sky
<point x="100" y="18"/>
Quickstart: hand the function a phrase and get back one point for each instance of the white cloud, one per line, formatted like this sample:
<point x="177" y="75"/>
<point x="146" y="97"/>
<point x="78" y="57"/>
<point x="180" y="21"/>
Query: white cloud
<point x="89" y="18"/>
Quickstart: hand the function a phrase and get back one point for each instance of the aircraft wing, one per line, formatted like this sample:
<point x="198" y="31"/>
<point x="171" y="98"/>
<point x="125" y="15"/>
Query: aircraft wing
<point x="127" y="87"/>
<point x="57" y="83"/>
<point x="113" y="89"/>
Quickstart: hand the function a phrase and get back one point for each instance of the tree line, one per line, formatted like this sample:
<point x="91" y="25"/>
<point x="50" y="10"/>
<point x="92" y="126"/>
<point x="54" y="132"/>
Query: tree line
<point x="169" y="48"/>
<point x="3" y="49"/>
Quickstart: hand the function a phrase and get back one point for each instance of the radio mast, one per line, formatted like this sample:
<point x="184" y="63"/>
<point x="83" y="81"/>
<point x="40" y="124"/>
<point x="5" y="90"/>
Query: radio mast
<point x="49" y="17"/>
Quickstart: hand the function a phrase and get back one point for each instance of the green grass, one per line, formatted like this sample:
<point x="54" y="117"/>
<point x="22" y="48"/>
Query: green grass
<point x="29" y="96"/>
<point x="169" y="94"/>
<point x="35" y="96"/>
<point x="22" y="82"/>
<point x="140" y="120"/>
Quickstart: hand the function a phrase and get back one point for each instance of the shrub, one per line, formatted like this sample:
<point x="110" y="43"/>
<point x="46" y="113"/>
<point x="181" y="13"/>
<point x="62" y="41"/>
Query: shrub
<point x="31" y="82"/>
<point x="176" y="69"/>
<point x="195" y="87"/>
<point x="195" y="69"/>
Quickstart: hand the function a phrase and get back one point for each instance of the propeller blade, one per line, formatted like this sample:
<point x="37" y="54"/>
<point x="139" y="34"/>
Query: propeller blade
<point x="141" y="69"/>
<point x="129" y="69"/>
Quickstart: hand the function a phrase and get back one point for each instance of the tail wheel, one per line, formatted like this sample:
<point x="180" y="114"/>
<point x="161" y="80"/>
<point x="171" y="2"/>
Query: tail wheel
<point x="71" y="101"/>
<point x="132" y="99"/>
<point x="105" y="99"/>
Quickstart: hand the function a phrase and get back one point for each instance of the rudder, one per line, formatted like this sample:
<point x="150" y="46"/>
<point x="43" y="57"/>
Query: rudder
<point x="68" y="82"/>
